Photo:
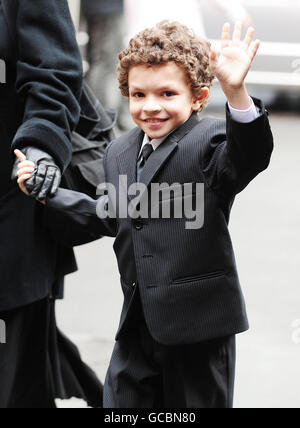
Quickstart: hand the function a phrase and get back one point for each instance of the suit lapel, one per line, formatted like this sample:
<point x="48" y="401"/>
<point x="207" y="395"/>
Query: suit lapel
<point x="163" y="153"/>
<point x="127" y="159"/>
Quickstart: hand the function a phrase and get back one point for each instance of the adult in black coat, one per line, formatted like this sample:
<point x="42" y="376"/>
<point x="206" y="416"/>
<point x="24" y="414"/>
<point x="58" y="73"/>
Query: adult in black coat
<point x="105" y="26"/>
<point x="39" y="108"/>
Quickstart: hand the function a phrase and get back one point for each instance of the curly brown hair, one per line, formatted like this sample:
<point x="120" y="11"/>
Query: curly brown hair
<point x="168" y="41"/>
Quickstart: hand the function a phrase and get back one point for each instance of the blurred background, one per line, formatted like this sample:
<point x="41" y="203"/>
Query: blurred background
<point x="265" y="224"/>
<point x="105" y="27"/>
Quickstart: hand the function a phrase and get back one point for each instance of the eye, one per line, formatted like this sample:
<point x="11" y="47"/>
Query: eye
<point x="168" y="94"/>
<point x="138" y="95"/>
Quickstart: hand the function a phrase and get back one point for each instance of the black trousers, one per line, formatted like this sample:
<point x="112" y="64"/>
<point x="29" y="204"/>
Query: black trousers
<point x="38" y="363"/>
<point x="146" y="374"/>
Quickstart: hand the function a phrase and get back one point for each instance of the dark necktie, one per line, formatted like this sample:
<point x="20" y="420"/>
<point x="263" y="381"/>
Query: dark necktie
<point x="146" y="152"/>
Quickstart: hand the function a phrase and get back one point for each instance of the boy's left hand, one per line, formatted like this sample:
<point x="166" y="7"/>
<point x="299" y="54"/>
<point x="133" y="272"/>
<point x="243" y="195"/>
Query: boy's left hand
<point x="236" y="57"/>
<point x="25" y="170"/>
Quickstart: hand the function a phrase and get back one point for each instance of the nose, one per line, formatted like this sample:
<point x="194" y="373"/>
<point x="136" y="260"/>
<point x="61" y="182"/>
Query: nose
<point x="151" y="107"/>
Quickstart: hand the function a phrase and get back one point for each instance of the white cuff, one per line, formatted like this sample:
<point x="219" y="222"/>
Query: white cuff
<point x="244" y="116"/>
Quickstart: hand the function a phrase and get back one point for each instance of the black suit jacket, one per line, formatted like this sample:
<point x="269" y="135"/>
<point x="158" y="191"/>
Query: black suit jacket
<point x="187" y="279"/>
<point x="39" y="106"/>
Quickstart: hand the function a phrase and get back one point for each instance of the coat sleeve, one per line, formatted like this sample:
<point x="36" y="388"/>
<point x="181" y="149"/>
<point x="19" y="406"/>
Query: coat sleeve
<point x="237" y="153"/>
<point x="72" y="219"/>
<point x="49" y="77"/>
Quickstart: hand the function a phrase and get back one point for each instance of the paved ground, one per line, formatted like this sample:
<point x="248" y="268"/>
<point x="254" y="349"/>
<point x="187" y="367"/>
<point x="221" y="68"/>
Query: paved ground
<point x="266" y="232"/>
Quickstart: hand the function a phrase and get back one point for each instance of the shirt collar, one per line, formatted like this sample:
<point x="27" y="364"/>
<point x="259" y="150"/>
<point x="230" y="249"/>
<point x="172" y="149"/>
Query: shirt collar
<point x="154" y="143"/>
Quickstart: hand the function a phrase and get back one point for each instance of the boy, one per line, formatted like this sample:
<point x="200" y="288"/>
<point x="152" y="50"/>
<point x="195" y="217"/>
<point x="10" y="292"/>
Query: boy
<point x="183" y="304"/>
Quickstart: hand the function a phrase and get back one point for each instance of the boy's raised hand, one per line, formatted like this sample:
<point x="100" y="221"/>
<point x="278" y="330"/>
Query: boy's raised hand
<point x="236" y="56"/>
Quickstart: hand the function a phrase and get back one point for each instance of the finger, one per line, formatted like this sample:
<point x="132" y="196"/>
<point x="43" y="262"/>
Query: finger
<point x="47" y="185"/>
<point x="225" y="35"/>
<point x="26" y="164"/>
<point x="213" y="54"/>
<point x="21" y="183"/>
<point x="56" y="183"/>
<point x="26" y="170"/>
<point x="254" y="49"/>
<point x="40" y="176"/>
<point x="23" y="189"/>
<point x="248" y="37"/>
<point x="20" y="155"/>
<point x="213" y="58"/>
<point x="24" y="178"/>
<point x="237" y="33"/>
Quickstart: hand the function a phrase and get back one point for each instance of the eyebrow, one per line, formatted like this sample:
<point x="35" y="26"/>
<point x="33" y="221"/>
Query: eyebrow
<point x="160" y="88"/>
<point x="135" y="88"/>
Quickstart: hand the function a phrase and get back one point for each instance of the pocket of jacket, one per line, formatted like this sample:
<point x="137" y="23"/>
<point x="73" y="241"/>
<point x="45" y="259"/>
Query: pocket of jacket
<point x="177" y="191"/>
<point x="209" y="275"/>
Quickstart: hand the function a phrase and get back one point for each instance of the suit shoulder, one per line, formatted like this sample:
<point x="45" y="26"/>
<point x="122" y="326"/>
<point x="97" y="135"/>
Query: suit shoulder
<point x="212" y="126"/>
<point x="119" y="144"/>
<point x="210" y="131"/>
<point x="206" y="138"/>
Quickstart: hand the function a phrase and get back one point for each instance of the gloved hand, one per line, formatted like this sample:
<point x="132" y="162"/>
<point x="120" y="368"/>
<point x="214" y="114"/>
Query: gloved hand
<point x="46" y="177"/>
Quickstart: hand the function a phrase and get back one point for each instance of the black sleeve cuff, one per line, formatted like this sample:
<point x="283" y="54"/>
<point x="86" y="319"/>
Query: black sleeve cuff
<point x="46" y="136"/>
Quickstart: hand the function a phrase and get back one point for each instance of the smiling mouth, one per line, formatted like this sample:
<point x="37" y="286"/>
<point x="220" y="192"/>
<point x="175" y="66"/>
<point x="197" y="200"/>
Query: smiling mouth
<point x="155" y="120"/>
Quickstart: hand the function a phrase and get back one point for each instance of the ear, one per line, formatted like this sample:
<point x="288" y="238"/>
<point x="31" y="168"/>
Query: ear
<point x="200" y="100"/>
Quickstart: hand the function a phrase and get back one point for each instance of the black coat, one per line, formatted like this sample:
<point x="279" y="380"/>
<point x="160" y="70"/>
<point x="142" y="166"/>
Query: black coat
<point x="92" y="8"/>
<point x="38" y="107"/>
<point x="187" y="279"/>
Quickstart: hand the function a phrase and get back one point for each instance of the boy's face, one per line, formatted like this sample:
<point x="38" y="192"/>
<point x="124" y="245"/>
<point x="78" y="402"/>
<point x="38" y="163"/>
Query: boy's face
<point x="160" y="98"/>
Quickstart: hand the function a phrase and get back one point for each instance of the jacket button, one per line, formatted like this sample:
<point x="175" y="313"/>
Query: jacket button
<point x="139" y="225"/>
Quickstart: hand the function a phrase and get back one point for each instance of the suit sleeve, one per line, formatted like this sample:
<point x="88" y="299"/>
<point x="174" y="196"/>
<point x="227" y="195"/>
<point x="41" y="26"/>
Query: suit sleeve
<point x="49" y="77"/>
<point x="237" y="153"/>
<point x="72" y="219"/>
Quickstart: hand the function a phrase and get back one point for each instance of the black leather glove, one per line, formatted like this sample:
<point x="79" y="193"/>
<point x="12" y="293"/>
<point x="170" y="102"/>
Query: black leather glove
<point x="46" y="177"/>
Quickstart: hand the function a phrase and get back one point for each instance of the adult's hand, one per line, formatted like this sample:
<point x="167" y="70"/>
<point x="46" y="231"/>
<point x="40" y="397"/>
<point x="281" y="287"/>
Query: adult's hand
<point x="46" y="177"/>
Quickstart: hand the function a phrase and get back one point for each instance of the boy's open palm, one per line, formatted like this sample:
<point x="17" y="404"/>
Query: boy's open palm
<point x="236" y="56"/>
